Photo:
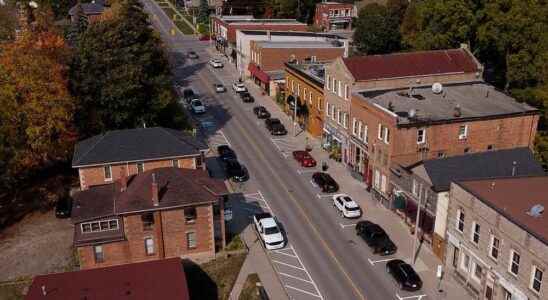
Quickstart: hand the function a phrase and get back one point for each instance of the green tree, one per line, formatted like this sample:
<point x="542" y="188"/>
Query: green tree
<point x="377" y="30"/>
<point x="8" y="21"/>
<point x="433" y="24"/>
<point x="203" y="12"/>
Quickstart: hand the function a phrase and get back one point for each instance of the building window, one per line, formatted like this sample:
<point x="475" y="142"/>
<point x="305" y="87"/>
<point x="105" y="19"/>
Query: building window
<point x="345" y="120"/>
<point x="460" y="221"/>
<point x="478" y="270"/>
<point x="327" y="78"/>
<point x="377" y="179"/>
<point x="465" y="263"/>
<point x="140" y="167"/>
<point x="313" y="58"/>
<point x="475" y="233"/>
<point x="536" y="279"/>
<point x="383" y="184"/>
<point x="108" y="172"/>
<point x="380" y="132"/>
<point x="495" y="247"/>
<point x="98" y="254"/>
<point x="513" y="267"/>
<point x="191" y="240"/>
<point x="421" y="136"/>
<point x="489" y="293"/>
<point x="310" y="98"/>
<point x="339" y="90"/>
<point x="328" y="108"/>
<point x="456" y="254"/>
<point x="334" y="85"/>
<point x="354" y="127"/>
<point x="148" y="221"/>
<point x="463" y="132"/>
<point x="339" y="116"/>
<point x="490" y="147"/>
<point x="365" y="135"/>
<point x="298" y="89"/>
<point x="149" y="246"/>
<point x="320" y="106"/>
<point x="415" y="188"/>
<point x="466" y="150"/>
<point x="360" y="130"/>
<point x="175" y="163"/>
<point x="198" y="161"/>
<point x="386" y="135"/>
<point x="332" y="112"/>
<point x="98" y="226"/>
<point x="346" y="92"/>
<point x="190" y="214"/>
<point x="304" y="93"/>
<point x="441" y="154"/>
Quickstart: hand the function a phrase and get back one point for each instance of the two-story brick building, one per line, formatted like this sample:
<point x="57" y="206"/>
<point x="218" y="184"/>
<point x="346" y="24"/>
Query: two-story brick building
<point x="334" y="15"/>
<point x="304" y="84"/>
<point x="268" y="59"/>
<point x="99" y="159"/>
<point x="498" y="237"/>
<point x="160" y="213"/>
<point x="426" y="184"/>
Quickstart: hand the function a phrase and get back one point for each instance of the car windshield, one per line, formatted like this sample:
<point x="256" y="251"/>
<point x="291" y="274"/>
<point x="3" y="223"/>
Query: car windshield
<point x="409" y="272"/>
<point x="197" y="103"/>
<point x="352" y="208"/>
<point x="271" y="230"/>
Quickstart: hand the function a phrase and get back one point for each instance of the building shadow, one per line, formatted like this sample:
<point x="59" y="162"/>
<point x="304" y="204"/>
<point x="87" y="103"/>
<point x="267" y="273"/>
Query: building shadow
<point x="200" y="285"/>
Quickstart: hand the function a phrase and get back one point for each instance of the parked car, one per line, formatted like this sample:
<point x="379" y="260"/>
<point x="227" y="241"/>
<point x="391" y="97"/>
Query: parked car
<point x="275" y="127"/>
<point x="235" y="171"/>
<point x="246" y="97"/>
<point x="63" y="207"/>
<point x="304" y="158"/>
<point x="268" y="231"/>
<point x="192" y="54"/>
<point x="239" y="87"/>
<point x="325" y="182"/>
<point x="204" y="38"/>
<point x="219" y="88"/>
<point x="346" y="206"/>
<point x="188" y="94"/>
<point x="197" y="106"/>
<point x="404" y="274"/>
<point x="226" y="153"/>
<point x="261" y="112"/>
<point x="376" y="238"/>
<point x="215" y="63"/>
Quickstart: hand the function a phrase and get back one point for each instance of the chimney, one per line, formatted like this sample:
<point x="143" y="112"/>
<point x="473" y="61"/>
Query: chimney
<point x="154" y="188"/>
<point x="514" y="168"/>
<point x="123" y="179"/>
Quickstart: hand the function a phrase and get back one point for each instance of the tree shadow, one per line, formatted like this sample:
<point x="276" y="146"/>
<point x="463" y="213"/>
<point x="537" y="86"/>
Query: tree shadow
<point x="200" y="284"/>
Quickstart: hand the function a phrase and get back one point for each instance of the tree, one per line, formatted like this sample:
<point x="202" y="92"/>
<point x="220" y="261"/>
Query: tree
<point x="203" y="12"/>
<point x="121" y="77"/>
<point x="433" y="24"/>
<point x="8" y="21"/>
<point x="377" y="30"/>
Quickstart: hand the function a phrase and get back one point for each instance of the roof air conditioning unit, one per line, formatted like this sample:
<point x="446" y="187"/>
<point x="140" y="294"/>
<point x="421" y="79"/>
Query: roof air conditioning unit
<point x="437" y="88"/>
<point x="536" y="210"/>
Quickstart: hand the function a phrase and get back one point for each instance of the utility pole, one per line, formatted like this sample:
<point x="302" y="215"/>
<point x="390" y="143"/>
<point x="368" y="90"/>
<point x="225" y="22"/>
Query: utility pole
<point x="295" y="117"/>
<point x="415" y="237"/>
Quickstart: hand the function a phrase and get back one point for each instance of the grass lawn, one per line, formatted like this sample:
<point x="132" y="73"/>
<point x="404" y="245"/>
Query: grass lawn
<point x="215" y="279"/>
<point x="10" y="291"/>
<point x="250" y="290"/>
<point x="235" y="244"/>
<point x="183" y="26"/>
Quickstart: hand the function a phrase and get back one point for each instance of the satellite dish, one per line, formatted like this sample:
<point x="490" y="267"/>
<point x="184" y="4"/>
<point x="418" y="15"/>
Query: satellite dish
<point x="437" y="88"/>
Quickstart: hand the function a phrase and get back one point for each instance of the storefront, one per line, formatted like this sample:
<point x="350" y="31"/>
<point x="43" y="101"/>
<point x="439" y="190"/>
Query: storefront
<point x="259" y="77"/>
<point x="333" y="142"/>
<point x="406" y="207"/>
<point x="358" y="159"/>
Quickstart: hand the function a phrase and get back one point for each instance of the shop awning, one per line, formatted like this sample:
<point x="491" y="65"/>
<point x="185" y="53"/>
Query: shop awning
<point x="258" y="73"/>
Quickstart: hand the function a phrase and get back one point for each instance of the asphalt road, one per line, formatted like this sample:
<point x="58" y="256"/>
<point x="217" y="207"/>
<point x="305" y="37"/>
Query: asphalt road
<point x="338" y="263"/>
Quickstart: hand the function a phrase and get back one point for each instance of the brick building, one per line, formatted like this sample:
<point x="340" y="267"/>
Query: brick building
<point x="160" y="279"/>
<point x="498" y="237"/>
<point x="334" y="15"/>
<point x="101" y="158"/>
<point x="161" y="213"/>
<point x="426" y="184"/>
<point x="268" y="58"/>
<point x="304" y="83"/>
<point x="92" y="11"/>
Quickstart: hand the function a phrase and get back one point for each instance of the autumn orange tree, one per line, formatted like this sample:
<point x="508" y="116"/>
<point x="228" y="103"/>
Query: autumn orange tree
<point x="36" y="108"/>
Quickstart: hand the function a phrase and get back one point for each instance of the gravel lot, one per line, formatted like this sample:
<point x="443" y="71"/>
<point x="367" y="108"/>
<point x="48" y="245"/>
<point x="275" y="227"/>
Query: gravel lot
<point x="38" y="244"/>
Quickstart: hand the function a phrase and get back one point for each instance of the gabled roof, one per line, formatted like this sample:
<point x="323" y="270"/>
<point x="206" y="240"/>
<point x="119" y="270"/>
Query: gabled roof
<point x="177" y="187"/>
<point x="408" y="64"/>
<point x="498" y="163"/>
<point x="136" y="145"/>
<point x="93" y="8"/>
<point x="513" y="198"/>
<point x="158" y="279"/>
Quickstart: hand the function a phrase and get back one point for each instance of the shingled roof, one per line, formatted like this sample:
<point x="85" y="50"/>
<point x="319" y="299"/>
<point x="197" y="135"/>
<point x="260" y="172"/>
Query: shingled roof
<point x="498" y="163"/>
<point x="138" y="144"/>
<point x="422" y="63"/>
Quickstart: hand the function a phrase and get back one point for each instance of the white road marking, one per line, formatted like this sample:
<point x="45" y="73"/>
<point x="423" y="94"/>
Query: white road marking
<point x="294" y="277"/>
<point x="323" y="196"/>
<point x="226" y="139"/>
<point x="283" y="253"/>
<point x="347" y="225"/>
<point x="418" y="297"/>
<point x="306" y="171"/>
<point x="303" y="291"/>
<point x="288" y="265"/>
<point x="373" y="262"/>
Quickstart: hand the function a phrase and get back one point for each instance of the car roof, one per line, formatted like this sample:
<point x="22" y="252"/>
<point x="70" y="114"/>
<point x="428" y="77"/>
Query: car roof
<point x="268" y="222"/>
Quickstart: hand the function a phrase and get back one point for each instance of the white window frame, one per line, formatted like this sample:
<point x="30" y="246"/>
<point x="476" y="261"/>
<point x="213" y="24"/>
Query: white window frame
<point x="465" y="262"/>
<point x="354" y="127"/>
<point x="346" y="92"/>
<point x="421" y="139"/>
<point x="474" y="269"/>
<point x="175" y="163"/>
<point x="310" y="97"/>
<point x="142" y="164"/>
<point x="149" y="246"/>
<point x="458" y="221"/>
<point x="319" y="99"/>
<point x="327" y="78"/>
<point x="339" y="90"/>
<point x="188" y="240"/>
<point x="345" y="120"/>
<point x="298" y="89"/>
<point x="383" y="183"/>
<point x="339" y="112"/>
<point x="386" y="135"/>
<point x="380" y="132"/>
<point x="293" y="86"/>
<point x="109" y="168"/>
<point x="360" y="130"/>
<point x="473" y="233"/>
<point x="377" y="179"/>
<point x="334" y="85"/>
<point x="365" y="134"/>
<point x="110" y="228"/>
<point x="464" y="135"/>
<point x="414" y="188"/>
<point x="96" y="250"/>
<point x="535" y="268"/>
<point x="333" y="112"/>
<point x="492" y="246"/>
<point x="511" y="262"/>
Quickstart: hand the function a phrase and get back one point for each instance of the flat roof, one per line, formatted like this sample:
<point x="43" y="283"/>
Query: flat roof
<point x="292" y="33"/>
<point x="297" y="44"/>
<point x="458" y="101"/>
<point x="263" y="21"/>
<point x="513" y="198"/>
<point x="313" y="71"/>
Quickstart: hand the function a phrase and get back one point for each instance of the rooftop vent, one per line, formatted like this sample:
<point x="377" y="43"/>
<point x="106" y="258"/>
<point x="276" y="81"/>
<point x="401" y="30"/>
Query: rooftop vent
<point x="437" y="88"/>
<point x="457" y="111"/>
<point x="412" y="113"/>
<point x="536" y="210"/>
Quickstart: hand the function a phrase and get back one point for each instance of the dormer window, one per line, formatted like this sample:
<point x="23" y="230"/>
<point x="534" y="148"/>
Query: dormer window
<point x="190" y="215"/>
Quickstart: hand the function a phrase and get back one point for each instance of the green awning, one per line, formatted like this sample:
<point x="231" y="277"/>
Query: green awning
<point x="399" y="201"/>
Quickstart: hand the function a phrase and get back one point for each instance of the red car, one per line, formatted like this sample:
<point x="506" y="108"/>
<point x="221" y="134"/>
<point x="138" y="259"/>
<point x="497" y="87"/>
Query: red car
<point x="304" y="158"/>
<point x="205" y="38"/>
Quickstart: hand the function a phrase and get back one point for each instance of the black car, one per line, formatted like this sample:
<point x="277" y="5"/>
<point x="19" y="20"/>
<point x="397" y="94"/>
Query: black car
<point x="246" y="97"/>
<point x="226" y="153"/>
<point x="192" y="54"/>
<point x="325" y="182"/>
<point x="275" y="126"/>
<point x="235" y="171"/>
<point x="63" y="208"/>
<point x="404" y="275"/>
<point x="261" y="112"/>
<point x="376" y="238"/>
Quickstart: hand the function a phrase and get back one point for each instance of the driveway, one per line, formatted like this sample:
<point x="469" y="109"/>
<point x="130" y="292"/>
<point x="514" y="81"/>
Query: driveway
<point x="38" y="244"/>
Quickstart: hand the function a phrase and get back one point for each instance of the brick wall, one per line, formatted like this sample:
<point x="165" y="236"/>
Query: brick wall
<point x="114" y="254"/>
<point x="323" y="20"/>
<point x="90" y="176"/>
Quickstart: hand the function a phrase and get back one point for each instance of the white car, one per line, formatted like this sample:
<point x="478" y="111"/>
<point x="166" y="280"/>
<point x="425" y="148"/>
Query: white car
<point x="346" y="206"/>
<point x="268" y="231"/>
<point x="197" y="106"/>
<point x="239" y="87"/>
<point x="219" y="88"/>
<point x="216" y="63"/>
